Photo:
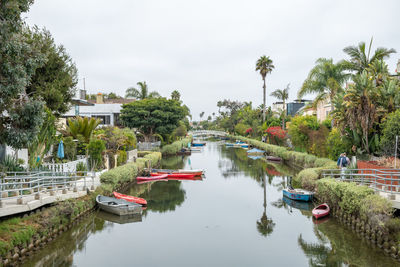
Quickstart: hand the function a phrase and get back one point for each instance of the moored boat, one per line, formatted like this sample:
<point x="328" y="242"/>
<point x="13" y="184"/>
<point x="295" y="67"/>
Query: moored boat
<point x="175" y="175"/>
<point x="117" y="206"/>
<point x="272" y="158"/>
<point x="298" y="194"/>
<point x="255" y="151"/>
<point x="197" y="172"/>
<point x="137" y="200"/>
<point x="198" y="143"/>
<point x="321" y="211"/>
<point x="152" y="178"/>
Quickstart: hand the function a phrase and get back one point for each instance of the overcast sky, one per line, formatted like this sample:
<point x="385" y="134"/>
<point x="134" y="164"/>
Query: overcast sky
<point x="207" y="49"/>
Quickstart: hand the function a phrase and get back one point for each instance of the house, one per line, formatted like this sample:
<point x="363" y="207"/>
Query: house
<point x="107" y="110"/>
<point x="293" y="107"/>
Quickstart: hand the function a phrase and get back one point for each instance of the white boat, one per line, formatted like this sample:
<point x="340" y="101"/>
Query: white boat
<point x="117" y="206"/>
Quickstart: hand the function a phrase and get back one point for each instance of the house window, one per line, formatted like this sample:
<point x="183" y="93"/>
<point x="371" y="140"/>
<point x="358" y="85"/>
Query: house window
<point x="104" y="119"/>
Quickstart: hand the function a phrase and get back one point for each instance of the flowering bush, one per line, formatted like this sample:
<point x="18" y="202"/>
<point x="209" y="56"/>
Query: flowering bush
<point x="249" y="131"/>
<point x="276" y="135"/>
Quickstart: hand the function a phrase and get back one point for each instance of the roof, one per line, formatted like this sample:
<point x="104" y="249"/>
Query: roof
<point x="96" y="109"/>
<point x="115" y="101"/>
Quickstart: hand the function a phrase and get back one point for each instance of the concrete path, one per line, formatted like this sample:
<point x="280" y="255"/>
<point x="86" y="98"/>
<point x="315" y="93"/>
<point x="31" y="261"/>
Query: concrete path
<point x="15" y="205"/>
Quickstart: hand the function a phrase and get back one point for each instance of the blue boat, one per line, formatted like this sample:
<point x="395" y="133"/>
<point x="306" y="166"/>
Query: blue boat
<point x="198" y="144"/>
<point x="298" y="194"/>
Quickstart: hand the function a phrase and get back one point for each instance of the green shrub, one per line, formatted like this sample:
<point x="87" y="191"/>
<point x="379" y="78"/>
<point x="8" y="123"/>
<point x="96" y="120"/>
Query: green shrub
<point x="307" y="178"/>
<point x="176" y="146"/>
<point x="337" y="144"/>
<point x="10" y="164"/>
<point x="122" y="157"/>
<point x="69" y="148"/>
<point x="95" y="150"/>
<point x="391" y="128"/>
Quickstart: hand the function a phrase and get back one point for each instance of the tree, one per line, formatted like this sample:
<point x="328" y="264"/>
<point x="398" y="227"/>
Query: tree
<point x="360" y="59"/>
<point x="326" y="79"/>
<point x="201" y="115"/>
<point x="55" y="80"/>
<point x="391" y="129"/>
<point x="153" y="116"/>
<point x="282" y="95"/>
<point x="21" y="116"/>
<point x="83" y="127"/>
<point x="175" y="95"/>
<point x="264" y="66"/>
<point x="142" y="92"/>
<point x="112" y="96"/>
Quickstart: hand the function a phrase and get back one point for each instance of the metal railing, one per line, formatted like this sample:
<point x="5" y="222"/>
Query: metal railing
<point x="383" y="180"/>
<point x="207" y="132"/>
<point x="20" y="184"/>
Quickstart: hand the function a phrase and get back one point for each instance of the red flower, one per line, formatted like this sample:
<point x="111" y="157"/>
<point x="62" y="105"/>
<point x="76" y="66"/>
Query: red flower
<point x="249" y="130"/>
<point x="276" y="131"/>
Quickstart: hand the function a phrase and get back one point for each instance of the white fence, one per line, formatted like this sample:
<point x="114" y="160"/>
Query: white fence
<point x="64" y="167"/>
<point x="148" y="146"/>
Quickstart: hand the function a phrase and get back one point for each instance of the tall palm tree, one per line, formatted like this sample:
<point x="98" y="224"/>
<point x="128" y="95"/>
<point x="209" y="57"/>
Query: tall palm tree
<point x="326" y="79"/>
<point x="264" y="66"/>
<point x="360" y="59"/>
<point x="142" y="92"/>
<point x="282" y="94"/>
<point x="175" y="95"/>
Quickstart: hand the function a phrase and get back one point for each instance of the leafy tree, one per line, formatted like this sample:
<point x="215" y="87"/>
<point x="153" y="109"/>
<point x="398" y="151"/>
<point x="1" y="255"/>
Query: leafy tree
<point x="175" y="95"/>
<point x="142" y="92"/>
<point x="282" y="95"/>
<point x="360" y="59"/>
<point x="391" y="129"/>
<point x="95" y="150"/>
<point x="113" y="96"/>
<point x="22" y="116"/>
<point x="326" y="79"/>
<point x="201" y="115"/>
<point x="241" y="128"/>
<point x="55" y="80"/>
<point x="181" y="130"/>
<point x="336" y="144"/>
<point x="264" y="66"/>
<point x="299" y="129"/>
<point x="151" y="116"/>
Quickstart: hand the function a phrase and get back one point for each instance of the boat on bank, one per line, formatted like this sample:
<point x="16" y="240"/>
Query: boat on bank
<point x="152" y="178"/>
<point x="137" y="200"/>
<point x="298" y="194"/>
<point x="321" y="211"/>
<point x="272" y="158"/>
<point x="117" y="206"/>
<point x="198" y="143"/>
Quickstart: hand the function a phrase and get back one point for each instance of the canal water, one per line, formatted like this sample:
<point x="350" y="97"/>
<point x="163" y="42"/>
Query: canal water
<point x="234" y="216"/>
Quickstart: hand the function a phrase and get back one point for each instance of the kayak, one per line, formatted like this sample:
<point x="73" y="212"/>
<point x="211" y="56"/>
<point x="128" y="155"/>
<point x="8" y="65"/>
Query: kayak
<point x="175" y="175"/>
<point x="321" y="211"/>
<point x="137" y="200"/>
<point x="195" y="172"/>
<point x="152" y="178"/>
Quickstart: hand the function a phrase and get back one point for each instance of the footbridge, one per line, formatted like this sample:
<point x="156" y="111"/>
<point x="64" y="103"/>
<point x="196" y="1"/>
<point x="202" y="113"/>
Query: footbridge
<point x="199" y="133"/>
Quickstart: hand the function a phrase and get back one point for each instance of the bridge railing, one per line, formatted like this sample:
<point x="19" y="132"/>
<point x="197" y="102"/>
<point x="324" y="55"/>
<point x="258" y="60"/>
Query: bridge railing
<point x="208" y="132"/>
<point x="18" y="185"/>
<point x="383" y="180"/>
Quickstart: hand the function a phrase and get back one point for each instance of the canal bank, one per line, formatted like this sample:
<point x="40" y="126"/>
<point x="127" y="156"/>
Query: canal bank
<point x="355" y="205"/>
<point x="22" y="236"/>
<point x="235" y="216"/>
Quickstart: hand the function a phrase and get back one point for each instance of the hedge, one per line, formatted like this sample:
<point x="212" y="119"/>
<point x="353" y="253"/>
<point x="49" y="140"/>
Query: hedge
<point x="312" y="164"/>
<point x="357" y="200"/>
<point x="176" y="146"/>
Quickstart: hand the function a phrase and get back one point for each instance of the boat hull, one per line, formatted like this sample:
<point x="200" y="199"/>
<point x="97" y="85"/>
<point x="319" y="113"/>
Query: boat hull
<point x="137" y="200"/>
<point x="292" y="194"/>
<point x="321" y="211"/>
<point x="195" y="172"/>
<point x="152" y="178"/>
<point x="176" y="175"/>
<point x="117" y="206"/>
<point x="198" y="144"/>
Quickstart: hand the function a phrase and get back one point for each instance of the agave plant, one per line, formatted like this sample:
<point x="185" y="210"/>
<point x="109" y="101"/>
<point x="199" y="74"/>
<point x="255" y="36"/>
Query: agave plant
<point x="82" y="127"/>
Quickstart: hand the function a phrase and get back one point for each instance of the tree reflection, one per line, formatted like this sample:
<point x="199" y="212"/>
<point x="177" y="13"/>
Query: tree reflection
<point x="164" y="196"/>
<point x="265" y="226"/>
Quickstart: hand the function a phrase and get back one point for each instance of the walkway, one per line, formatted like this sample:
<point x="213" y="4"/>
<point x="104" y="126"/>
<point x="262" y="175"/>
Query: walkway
<point x="24" y="192"/>
<point x="385" y="182"/>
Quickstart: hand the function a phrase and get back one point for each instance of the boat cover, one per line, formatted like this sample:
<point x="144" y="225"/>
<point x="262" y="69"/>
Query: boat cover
<point x="255" y="150"/>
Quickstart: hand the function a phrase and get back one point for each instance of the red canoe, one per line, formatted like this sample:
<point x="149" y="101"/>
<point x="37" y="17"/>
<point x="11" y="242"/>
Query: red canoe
<point x="194" y="172"/>
<point x="152" y="178"/>
<point x="175" y="175"/>
<point x="137" y="200"/>
<point x="321" y="211"/>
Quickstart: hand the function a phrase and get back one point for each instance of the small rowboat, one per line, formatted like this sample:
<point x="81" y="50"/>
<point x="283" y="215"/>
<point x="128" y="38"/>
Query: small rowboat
<point x="321" y="211"/>
<point x="272" y="158"/>
<point x="175" y="175"/>
<point x="117" y="206"/>
<point x="152" y="178"/>
<point x="198" y="144"/>
<point x="137" y="200"/>
<point x="164" y="171"/>
<point x="298" y="194"/>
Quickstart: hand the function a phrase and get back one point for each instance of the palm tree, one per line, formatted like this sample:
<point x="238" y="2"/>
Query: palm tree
<point x="326" y="79"/>
<point x="201" y="114"/>
<point x="360" y="59"/>
<point x="264" y="66"/>
<point x="175" y="95"/>
<point x="142" y="92"/>
<point x="82" y="127"/>
<point x="282" y="95"/>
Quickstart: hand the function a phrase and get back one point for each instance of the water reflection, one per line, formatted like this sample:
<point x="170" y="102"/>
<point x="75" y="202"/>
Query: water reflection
<point x="265" y="226"/>
<point x="137" y="217"/>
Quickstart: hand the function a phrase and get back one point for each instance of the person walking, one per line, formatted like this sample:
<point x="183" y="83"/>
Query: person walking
<point x="342" y="164"/>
